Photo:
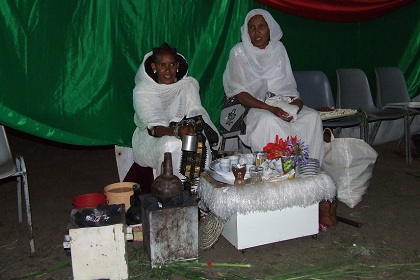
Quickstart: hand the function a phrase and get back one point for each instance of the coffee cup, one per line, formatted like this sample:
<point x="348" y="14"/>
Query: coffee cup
<point x="224" y="167"/>
<point x="250" y="158"/>
<point x="224" y="161"/>
<point x="234" y="159"/>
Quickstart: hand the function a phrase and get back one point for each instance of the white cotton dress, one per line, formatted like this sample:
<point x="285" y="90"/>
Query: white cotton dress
<point x="158" y="105"/>
<point x="259" y="71"/>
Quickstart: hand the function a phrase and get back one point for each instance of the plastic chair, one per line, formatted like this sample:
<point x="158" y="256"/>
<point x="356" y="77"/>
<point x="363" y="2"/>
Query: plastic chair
<point x="353" y="92"/>
<point x="391" y="87"/>
<point x="15" y="167"/>
<point x="315" y="91"/>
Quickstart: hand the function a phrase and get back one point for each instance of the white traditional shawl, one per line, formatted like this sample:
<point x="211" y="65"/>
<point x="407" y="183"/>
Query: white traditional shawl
<point x="257" y="71"/>
<point x="159" y="104"/>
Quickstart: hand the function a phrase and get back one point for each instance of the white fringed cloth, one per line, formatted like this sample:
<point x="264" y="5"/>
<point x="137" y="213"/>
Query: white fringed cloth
<point x="224" y="200"/>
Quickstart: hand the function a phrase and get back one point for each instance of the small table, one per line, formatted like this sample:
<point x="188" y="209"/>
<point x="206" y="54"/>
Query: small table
<point x="267" y="212"/>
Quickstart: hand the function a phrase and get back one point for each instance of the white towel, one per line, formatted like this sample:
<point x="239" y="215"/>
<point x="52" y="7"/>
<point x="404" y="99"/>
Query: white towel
<point x="278" y="101"/>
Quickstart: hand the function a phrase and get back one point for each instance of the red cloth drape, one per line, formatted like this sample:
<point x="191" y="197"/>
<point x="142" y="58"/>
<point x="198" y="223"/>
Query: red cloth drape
<point x="336" y="10"/>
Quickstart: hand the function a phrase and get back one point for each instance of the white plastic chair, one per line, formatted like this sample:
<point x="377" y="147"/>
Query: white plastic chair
<point x="315" y="91"/>
<point x="15" y="167"/>
<point x="353" y="92"/>
<point x="391" y="87"/>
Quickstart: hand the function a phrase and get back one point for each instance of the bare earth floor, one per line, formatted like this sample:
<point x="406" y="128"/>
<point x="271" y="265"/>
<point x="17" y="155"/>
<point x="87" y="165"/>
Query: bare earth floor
<point x="387" y="246"/>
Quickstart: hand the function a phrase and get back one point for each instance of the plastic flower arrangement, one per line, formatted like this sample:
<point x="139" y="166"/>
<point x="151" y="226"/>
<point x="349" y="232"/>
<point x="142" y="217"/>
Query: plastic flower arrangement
<point x="291" y="148"/>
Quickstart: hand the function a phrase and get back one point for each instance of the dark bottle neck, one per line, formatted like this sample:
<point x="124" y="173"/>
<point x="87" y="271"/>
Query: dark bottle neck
<point x="167" y="164"/>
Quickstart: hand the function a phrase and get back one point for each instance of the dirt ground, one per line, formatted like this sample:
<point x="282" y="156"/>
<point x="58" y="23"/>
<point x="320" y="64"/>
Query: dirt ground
<point x="387" y="246"/>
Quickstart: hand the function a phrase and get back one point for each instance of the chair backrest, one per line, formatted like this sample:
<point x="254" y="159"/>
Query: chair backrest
<point x="353" y="90"/>
<point x="7" y="164"/>
<point x="314" y="89"/>
<point x="232" y="117"/>
<point x="390" y="86"/>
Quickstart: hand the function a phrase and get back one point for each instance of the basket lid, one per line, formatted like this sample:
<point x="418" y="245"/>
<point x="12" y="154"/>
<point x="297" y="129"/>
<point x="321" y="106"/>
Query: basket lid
<point x="209" y="230"/>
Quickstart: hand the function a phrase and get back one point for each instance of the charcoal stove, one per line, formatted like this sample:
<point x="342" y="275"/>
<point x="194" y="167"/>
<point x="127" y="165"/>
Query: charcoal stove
<point x="170" y="233"/>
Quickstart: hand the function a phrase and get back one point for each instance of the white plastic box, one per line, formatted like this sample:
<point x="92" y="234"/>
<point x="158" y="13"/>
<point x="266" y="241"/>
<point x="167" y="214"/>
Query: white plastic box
<point x="99" y="252"/>
<point x="259" y="228"/>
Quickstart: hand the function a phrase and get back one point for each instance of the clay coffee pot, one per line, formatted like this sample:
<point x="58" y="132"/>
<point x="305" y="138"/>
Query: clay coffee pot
<point x="167" y="187"/>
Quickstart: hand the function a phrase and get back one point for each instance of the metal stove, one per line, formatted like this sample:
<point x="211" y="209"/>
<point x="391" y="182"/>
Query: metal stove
<point x="170" y="233"/>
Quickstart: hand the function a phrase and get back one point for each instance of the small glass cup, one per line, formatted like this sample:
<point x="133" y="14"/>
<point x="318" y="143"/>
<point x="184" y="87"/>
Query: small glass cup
<point x="256" y="171"/>
<point x="260" y="158"/>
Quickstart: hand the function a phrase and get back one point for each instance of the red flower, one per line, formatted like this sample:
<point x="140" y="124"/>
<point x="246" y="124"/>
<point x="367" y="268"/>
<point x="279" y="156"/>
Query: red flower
<point x="292" y="147"/>
<point x="280" y="147"/>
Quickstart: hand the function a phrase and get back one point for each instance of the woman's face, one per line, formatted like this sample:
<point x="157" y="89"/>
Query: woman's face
<point x="165" y="67"/>
<point x="258" y="31"/>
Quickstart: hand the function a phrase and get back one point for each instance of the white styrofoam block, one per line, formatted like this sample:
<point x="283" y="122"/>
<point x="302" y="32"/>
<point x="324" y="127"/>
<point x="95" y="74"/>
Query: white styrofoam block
<point x="99" y="252"/>
<point x="125" y="159"/>
<point x="259" y="228"/>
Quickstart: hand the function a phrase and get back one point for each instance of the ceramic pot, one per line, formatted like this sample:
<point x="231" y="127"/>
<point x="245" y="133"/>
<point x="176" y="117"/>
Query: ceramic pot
<point x="167" y="186"/>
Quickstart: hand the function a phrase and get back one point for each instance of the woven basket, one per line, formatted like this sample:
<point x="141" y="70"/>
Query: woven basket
<point x="119" y="193"/>
<point x="209" y="230"/>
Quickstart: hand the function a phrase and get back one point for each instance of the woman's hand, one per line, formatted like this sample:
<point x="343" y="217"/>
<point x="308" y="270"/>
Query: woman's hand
<point x="298" y="102"/>
<point x="186" y="130"/>
<point x="249" y="101"/>
<point x="281" y="114"/>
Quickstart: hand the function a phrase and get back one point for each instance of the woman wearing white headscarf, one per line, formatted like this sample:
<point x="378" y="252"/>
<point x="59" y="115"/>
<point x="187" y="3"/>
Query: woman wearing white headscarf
<point x="163" y="96"/>
<point x="259" y="76"/>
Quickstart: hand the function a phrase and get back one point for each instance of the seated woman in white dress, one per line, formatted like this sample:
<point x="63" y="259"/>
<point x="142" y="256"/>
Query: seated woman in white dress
<point x="259" y="76"/>
<point x="167" y="106"/>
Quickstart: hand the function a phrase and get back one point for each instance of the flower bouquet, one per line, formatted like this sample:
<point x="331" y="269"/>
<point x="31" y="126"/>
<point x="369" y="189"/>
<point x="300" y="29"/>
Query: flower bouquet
<point x="292" y="152"/>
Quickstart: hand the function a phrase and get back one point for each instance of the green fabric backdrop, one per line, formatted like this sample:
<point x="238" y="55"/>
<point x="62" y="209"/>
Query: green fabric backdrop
<point x="67" y="68"/>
